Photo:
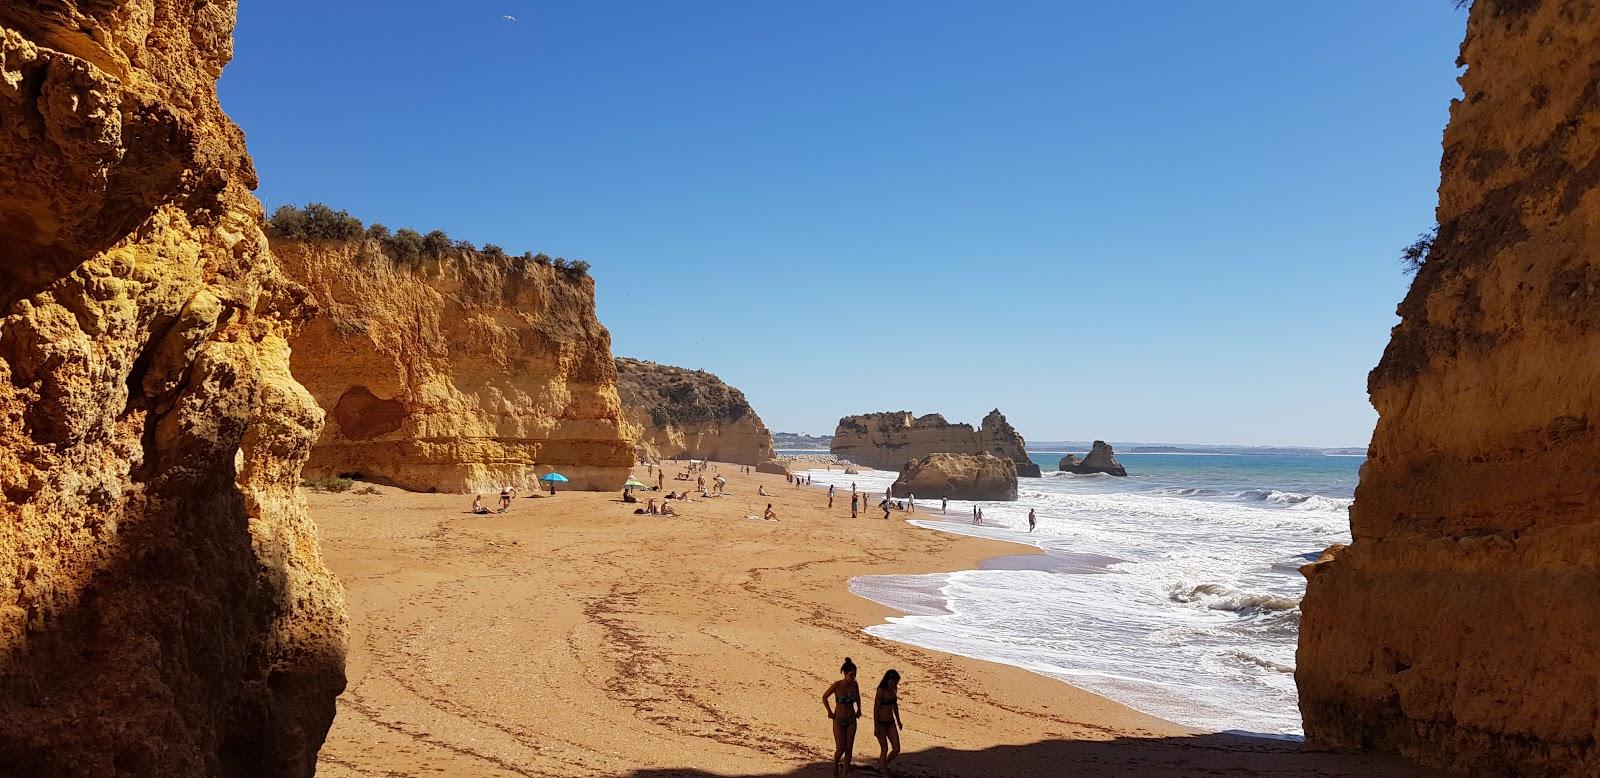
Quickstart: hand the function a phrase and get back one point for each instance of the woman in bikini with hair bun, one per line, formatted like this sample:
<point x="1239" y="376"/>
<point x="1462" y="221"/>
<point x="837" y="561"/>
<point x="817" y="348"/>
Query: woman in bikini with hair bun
<point x="844" y="708"/>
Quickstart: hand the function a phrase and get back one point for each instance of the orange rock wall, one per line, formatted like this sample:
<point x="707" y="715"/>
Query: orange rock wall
<point x="1461" y="628"/>
<point x="889" y="440"/>
<point x="462" y="374"/>
<point x="163" y="606"/>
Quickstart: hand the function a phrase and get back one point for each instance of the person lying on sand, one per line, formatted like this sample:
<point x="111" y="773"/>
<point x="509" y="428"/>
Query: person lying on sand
<point x="844" y="711"/>
<point x="886" y="723"/>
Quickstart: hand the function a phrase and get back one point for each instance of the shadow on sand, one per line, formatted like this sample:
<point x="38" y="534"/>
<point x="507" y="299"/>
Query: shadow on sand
<point x="1200" y="755"/>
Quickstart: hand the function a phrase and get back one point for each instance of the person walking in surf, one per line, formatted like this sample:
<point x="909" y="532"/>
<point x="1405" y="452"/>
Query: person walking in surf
<point x="1032" y="520"/>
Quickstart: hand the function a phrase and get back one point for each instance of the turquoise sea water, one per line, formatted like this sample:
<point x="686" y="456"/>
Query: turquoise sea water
<point x="1175" y="590"/>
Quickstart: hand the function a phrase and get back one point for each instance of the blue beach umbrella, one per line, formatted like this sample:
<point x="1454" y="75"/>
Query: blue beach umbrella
<point x="552" y="479"/>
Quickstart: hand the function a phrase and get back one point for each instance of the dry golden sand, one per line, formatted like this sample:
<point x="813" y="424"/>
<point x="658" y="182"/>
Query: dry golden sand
<point x="571" y="637"/>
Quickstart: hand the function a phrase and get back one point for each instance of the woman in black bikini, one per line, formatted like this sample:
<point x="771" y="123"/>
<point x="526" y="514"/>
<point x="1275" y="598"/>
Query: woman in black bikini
<point x="844" y="709"/>
<point x="886" y="724"/>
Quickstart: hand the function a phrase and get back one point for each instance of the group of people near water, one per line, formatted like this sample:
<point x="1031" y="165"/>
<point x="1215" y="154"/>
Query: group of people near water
<point x="842" y="700"/>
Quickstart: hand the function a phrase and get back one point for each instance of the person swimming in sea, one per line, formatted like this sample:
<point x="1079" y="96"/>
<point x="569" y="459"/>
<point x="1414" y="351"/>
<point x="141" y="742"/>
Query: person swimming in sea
<point x="843" y="708"/>
<point x="886" y="723"/>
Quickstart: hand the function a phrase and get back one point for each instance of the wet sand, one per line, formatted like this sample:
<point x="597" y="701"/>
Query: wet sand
<point x="571" y="637"/>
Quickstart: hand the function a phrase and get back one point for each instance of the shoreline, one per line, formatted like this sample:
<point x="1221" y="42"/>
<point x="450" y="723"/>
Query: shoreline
<point x="973" y="613"/>
<point x="572" y="637"/>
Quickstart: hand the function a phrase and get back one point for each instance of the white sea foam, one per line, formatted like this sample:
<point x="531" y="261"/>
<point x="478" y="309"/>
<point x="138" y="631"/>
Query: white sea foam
<point x="1196" y="623"/>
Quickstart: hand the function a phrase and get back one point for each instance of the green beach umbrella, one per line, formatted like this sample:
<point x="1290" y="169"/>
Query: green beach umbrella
<point x="633" y="483"/>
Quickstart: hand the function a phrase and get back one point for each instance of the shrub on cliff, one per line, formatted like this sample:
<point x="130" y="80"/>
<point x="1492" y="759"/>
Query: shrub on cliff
<point x="1414" y="256"/>
<point x="436" y="242"/>
<point x="406" y="246"/>
<point x="315" y="222"/>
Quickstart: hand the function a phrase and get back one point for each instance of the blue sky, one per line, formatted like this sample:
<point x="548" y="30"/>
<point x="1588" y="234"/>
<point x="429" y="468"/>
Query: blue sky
<point x="1152" y="221"/>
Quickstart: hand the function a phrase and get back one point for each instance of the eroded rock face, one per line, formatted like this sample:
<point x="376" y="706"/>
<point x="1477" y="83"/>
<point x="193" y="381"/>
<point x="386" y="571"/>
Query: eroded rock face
<point x="463" y="373"/>
<point x="958" y="477"/>
<point x="1100" y="459"/>
<point x="689" y="414"/>
<point x="1460" y="627"/>
<point x="163" y="607"/>
<point x="889" y="440"/>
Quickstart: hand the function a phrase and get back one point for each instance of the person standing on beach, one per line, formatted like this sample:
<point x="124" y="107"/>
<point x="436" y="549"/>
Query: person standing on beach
<point x="830" y="497"/>
<point x="852" y="505"/>
<point x="911" y="503"/>
<point x="980" y="517"/>
<point x="843" y="709"/>
<point x="974" y="514"/>
<point x="1032" y="520"/>
<point x="886" y="723"/>
<point x="661" y="480"/>
<point x="885" y="506"/>
<point x="944" y="505"/>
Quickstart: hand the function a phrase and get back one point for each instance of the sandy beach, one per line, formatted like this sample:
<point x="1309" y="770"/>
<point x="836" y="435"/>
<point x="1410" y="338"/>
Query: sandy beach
<point x="570" y="636"/>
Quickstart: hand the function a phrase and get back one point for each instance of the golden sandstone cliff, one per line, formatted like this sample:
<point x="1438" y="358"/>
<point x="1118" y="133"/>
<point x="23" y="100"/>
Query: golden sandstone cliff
<point x="689" y="414"/>
<point x="163" y="606"/>
<point x="461" y="371"/>
<point x="889" y="440"/>
<point x="981" y="476"/>
<point x="1461" y="626"/>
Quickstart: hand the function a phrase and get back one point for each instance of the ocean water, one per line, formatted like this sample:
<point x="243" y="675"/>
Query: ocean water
<point x="1174" y="591"/>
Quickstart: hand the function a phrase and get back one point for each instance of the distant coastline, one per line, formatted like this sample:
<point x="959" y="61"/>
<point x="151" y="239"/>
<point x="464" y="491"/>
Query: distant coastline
<point x="797" y="443"/>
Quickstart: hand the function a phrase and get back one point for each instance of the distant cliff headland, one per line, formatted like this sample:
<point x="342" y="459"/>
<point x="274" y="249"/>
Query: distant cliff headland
<point x="889" y="440"/>
<point x="680" y="413"/>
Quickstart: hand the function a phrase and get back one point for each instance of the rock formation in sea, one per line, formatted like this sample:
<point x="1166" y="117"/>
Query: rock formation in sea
<point x="1100" y="459"/>
<point x="164" y="609"/>
<point x="689" y="414"/>
<point x="981" y="476"/>
<point x="1460" y="627"/>
<point x="889" y="440"/>
<point x="457" y="371"/>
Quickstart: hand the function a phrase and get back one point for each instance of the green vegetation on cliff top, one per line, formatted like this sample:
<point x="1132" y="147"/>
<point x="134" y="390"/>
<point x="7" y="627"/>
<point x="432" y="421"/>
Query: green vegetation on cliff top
<point x="317" y="221"/>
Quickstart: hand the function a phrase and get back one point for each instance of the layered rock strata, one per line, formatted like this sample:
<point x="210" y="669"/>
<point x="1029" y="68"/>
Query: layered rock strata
<point x="889" y="440"/>
<point x="958" y="477"/>
<point x="1100" y="459"/>
<point x="689" y="414"/>
<point x="1461" y="626"/>
<point x="163" y="606"/>
<point x="463" y="372"/>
